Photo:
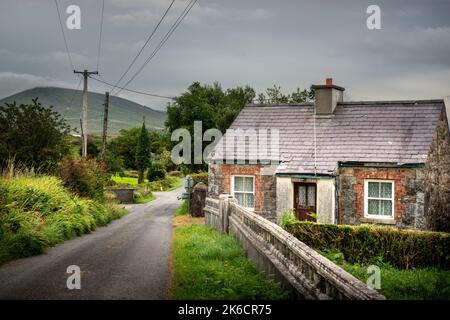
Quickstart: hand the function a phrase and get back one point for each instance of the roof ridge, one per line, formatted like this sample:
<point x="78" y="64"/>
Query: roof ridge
<point x="392" y="102"/>
<point x="376" y="102"/>
<point x="305" y="104"/>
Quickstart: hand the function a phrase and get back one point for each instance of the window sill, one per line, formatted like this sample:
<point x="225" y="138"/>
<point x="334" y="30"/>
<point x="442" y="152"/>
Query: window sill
<point x="390" y="221"/>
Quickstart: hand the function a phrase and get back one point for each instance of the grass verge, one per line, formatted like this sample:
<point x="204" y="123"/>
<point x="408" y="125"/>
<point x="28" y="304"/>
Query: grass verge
<point x="38" y="212"/>
<point x="208" y="265"/>
<point x="182" y="210"/>
<point x="399" y="284"/>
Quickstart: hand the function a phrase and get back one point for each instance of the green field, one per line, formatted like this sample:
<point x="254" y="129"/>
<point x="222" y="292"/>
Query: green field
<point x="167" y="184"/>
<point x="129" y="181"/>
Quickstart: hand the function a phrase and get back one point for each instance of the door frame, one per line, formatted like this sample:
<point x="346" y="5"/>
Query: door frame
<point x="299" y="183"/>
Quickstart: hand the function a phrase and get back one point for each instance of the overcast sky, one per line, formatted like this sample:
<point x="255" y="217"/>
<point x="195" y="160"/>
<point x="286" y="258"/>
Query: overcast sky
<point x="235" y="42"/>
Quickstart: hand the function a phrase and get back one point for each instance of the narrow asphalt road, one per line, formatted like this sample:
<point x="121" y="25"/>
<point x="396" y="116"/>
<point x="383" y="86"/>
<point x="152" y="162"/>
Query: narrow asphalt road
<point x="127" y="259"/>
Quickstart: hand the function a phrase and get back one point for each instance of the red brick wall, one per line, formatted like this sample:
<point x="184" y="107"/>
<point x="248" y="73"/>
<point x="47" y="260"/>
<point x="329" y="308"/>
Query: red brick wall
<point x="229" y="170"/>
<point x="397" y="175"/>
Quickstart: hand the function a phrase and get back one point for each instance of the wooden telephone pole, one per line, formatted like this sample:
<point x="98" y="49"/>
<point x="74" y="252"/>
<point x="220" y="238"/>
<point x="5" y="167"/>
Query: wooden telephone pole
<point x="85" y="74"/>
<point x="105" y="126"/>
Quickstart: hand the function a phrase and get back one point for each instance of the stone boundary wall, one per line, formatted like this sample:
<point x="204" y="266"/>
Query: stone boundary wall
<point x="303" y="271"/>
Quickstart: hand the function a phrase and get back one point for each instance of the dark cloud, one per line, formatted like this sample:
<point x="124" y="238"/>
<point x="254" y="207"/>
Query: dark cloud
<point x="255" y="42"/>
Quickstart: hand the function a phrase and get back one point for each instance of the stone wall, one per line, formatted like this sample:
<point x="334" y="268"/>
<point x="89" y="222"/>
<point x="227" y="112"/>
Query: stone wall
<point x="215" y="180"/>
<point x="437" y="179"/>
<point x="409" y="195"/>
<point x="307" y="274"/>
<point x="219" y="180"/>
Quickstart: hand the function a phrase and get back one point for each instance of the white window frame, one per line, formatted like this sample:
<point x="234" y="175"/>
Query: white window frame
<point x="366" y="200"/>
<point x="244" y="176"/>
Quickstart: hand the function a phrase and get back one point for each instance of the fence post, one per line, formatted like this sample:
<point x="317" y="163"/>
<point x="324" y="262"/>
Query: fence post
<point x="224" y="211"/>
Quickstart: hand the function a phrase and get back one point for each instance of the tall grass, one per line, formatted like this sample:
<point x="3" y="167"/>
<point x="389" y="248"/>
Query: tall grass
<point x="37" y="212"/>
<point x="182" y="209"/>
<point x="209" y="265"/>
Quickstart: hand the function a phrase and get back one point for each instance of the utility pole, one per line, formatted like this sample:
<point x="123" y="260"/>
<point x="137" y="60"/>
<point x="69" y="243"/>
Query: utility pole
<point x="82" y="134"/>
<point x="85" y="74"/>
<point x="105" y="126"/>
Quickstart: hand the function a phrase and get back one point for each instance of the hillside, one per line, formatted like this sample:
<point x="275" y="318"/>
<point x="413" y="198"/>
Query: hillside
<point x="123" y="113"/>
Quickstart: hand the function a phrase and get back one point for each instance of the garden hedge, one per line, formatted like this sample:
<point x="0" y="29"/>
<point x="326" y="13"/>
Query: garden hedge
<point x="200" y="177"/>
<point x="368" y="243"/>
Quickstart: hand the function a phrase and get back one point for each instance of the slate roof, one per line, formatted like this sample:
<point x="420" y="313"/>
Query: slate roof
<point x="398" y="132"/>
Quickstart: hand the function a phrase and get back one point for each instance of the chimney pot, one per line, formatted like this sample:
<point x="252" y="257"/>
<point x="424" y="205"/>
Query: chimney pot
<point x="329" y="81"/>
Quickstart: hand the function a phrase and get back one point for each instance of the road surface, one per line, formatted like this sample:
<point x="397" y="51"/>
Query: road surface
<point x="127" y="259"/>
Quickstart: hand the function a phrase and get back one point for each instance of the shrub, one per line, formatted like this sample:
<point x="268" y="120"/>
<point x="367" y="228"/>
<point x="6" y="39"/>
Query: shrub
<point x="155" y="171"/>
<point x="175" y="174"/>
<point x="368" y="244"/>
<point x="37" y="212"/>
<point x="142" y="196"/>
<point x="166" y="184"/>
<point x="131" y="174"/>
<point x="86" y="178"/>
<point x="200" y="177"/>
<point x="287" y="218"/>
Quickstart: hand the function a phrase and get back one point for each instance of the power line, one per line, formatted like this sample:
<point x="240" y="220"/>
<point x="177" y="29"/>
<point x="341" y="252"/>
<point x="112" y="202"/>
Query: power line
<point x="74" y="93"/>
<point x="162" y="42"/>
<point x="72" y="99"/>
<point x="64" y="35"/>
<point x="145" y="44"/>
<point x="100" y="34"/>
<point x="134" y="91"/>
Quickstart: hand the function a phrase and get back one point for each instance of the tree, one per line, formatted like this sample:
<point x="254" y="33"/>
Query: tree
<point x="32" y="135"/>
<point x="211" y="105"/>
<point x="207" y="103"/>
<point x="123" y="147"/>
<point x="142" y="153"/>
<point x="156" y="171"/>
<point x="234" y="100"/>
<point x="275" y="95"/>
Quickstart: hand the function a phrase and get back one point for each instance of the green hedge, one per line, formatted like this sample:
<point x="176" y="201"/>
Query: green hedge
<point x="200" y="177"/>
<point x="167" y="184"/>
<point x="401" y="248"/>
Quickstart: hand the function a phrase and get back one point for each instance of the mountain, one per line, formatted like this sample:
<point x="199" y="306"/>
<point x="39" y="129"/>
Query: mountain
<point x="123" y="113"/>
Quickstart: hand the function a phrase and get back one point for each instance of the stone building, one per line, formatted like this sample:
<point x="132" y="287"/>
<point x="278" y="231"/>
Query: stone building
<point x="384" y="162"/>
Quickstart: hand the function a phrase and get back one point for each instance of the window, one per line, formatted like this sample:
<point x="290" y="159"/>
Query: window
<point x="379" y="199"/>
<point x="243" y="189"/>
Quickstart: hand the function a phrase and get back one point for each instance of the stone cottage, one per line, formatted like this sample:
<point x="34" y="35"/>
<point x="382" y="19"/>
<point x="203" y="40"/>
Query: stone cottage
<point x="384" y="162"/>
